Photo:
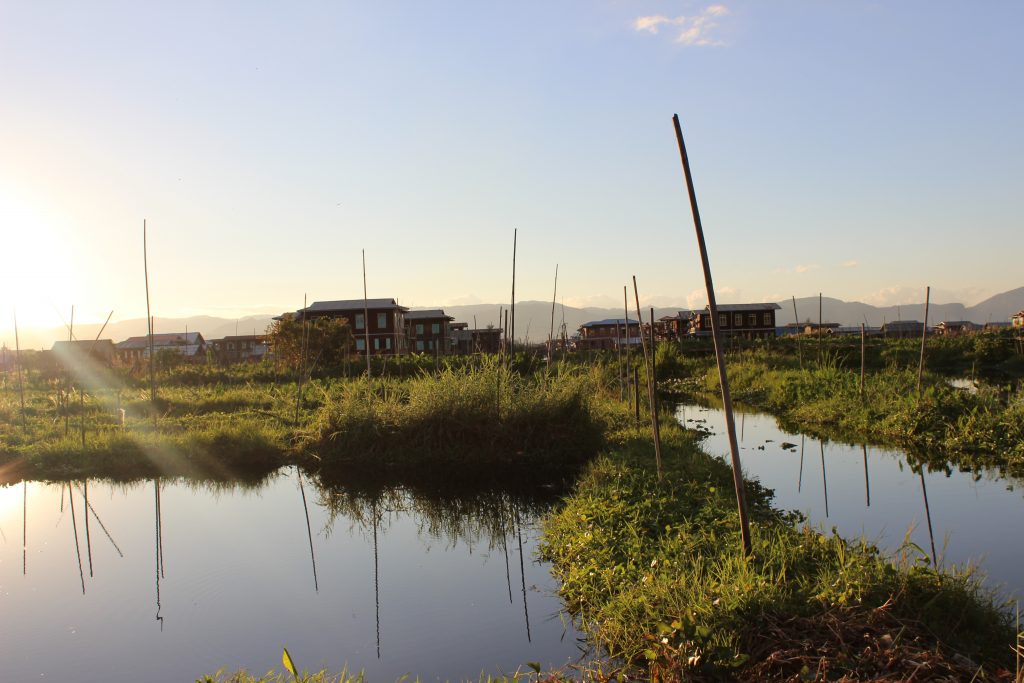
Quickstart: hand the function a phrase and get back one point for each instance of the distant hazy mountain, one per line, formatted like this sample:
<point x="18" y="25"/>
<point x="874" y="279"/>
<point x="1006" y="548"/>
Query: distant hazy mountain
<point x="533" y="318"/>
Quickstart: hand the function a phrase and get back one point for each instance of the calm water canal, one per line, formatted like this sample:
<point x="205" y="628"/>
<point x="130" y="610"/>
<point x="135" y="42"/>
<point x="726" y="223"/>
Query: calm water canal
<point x="223" y="576"/>
<point x="873" y="491"/>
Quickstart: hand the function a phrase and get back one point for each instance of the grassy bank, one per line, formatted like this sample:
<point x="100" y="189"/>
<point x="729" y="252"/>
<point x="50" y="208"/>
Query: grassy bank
<point x="656" y="575"/>
<point x="462" y="420"/>
<point x="982" y="428"/>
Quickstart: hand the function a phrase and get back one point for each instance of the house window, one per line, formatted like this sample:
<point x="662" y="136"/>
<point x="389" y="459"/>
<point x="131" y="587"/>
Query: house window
<point x="382" y="321"/>
<point x="723" y="320"/>
<point x="360" y="321"/>
<point x="360" y="344"/>
<point x="752" y="319"/>
<point x="737" y="320"/>
<point x="419" y="329"/>
<point x="419" y="344"/>
<point x="376" y="343"/>
<point x="767" y="319"/>
<point x="435" y="328"/>
<point x="430" y="344"/>
<point x="387" y="343"/>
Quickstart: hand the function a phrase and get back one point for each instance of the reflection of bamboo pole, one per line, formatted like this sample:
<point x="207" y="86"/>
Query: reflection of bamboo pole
<point x="24" y="527"/>
<point x="158" y="547"/>
<point x="504" y="547"/>
<point x="159" y="525"/>
<point x="800" y="476"/>
<point x="737" y="473"/>
<point x="74" y="526"/>
<point x="824" y="478"/>
<point x="376" y="574"/>
<point x="928" y="516"/>
<point x="867" y="482"/>
<point x="522" y="571"/>
<point x="309" y="529"/>
<point x="88" y="539"/>
<point x="89" y="508"/>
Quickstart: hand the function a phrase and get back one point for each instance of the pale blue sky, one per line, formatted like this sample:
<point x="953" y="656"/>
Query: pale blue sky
<point x="863" y="150"/>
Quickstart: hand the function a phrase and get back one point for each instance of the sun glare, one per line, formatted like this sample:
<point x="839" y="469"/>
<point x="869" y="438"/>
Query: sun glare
<point x="36" y="271"/>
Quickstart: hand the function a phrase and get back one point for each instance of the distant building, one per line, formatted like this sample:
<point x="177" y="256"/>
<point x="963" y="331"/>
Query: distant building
<point x="1017" y="321"/>
<point x="903" y="328"/>
<point x="739" y="320"/>
<point x="429" y="331"/>
<point x="610" y="333"/>
<point x="240" y="348"/>
<point x="673" y="327"/>
<point x="479" y="340"/>
<point x="380" y="321"/>
<point x="78" y="353"/>
<point x="952" y="328"/>
<point x="190" y="345"/>
<point x="997" y="326"/>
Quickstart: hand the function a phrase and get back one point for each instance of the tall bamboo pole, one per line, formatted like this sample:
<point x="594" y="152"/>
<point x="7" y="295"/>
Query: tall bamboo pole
<point x="67" y="373"/>
<point x="862" y="335"/>
<point x="366" y="320"/>
<point x="799" y="345"/>
<point x="512" y="334"/>
<point x="924" y="335"/>
<point x="551" y="331"/>
<point x="17" y="361"/>
<point x="737" y="473"/>
<point x="654" y="400"/>
<point x="625" y="321"/>
<point x="819" y="328"/>
<point x="302" y="360"/>
<point x="149" y="320"/>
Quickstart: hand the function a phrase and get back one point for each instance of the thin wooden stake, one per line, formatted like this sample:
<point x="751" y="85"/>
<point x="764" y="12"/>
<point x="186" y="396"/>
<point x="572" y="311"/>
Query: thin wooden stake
<point x="302" y="359"/>
<point x="648" y="361"/>
<point x="737" y="473"/>
<point x="924" y="335"/>
<point x="799" y="345"/>
<point x="366" y="320"/>
<point x="512" y="340"/>
<point x="819" y="331"/>
<point x="551" y="331"/>
<point x="149" y="319"/>
<point x="625" y="321"/>
<point x="654" y="401"/>
<point x="67" y="373"/>
<point x="862" y="334"/>
<point x="17" y="361"/>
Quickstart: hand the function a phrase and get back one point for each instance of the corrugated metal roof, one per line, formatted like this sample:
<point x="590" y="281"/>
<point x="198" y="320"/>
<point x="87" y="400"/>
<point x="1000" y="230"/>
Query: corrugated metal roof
<point x="427" y="313"/>
<point x="730" y="308"/>
<point x="164" y="339"/>
<point x="352" y="305"/>
<point x="608" y="321"/>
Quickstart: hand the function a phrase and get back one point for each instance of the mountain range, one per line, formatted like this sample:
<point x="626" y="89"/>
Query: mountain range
<point x="533" y="318"/>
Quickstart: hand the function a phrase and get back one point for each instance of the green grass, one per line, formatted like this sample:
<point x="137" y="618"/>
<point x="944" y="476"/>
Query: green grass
<point x="984" y="429"/>
<point x="656" y="575"/>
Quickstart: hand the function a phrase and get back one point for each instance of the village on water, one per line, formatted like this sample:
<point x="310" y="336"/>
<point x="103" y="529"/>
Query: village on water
<point x="389" y="329"/>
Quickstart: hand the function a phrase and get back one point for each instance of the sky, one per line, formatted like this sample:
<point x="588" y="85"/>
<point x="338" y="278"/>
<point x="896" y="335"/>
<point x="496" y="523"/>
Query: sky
<point x="860" y="149"/>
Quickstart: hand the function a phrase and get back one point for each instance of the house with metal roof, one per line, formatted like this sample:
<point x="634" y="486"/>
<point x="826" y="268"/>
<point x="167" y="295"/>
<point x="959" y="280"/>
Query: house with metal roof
<point x="429" y="331"/>
<point x="610" y="333"/>
<point x="738" y="320"/>
<point x="189" y="345"/>
<point x="953" y="328"/>
<point x="377" y="325"/>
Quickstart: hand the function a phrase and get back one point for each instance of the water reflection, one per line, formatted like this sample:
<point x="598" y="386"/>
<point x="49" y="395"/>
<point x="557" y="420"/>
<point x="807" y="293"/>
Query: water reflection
<point x="441" y="605"/>
<point x="902" y="500"/>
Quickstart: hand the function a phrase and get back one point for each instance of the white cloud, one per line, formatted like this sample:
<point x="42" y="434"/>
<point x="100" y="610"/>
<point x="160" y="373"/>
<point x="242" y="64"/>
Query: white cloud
<point x="697" y="30"/>
<point x="802" y="268"/>
<point x="850" y="264"/>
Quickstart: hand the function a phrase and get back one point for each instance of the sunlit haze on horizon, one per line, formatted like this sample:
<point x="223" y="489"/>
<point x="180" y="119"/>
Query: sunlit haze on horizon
<point x="863" y="150"/>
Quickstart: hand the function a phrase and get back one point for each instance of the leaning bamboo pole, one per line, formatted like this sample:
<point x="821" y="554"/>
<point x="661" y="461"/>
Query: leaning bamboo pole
<point x="551" y="331"/>
<point x="366" y="320"/>
<point x="17" y="361"/>
<point x="648" y="365"/>
<point x="924" y="336"/>
<point x="149" y="320"/>
<point x="625" y="321"/>
<point x="512" y="332"/>
<point x="737" y="474"/>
